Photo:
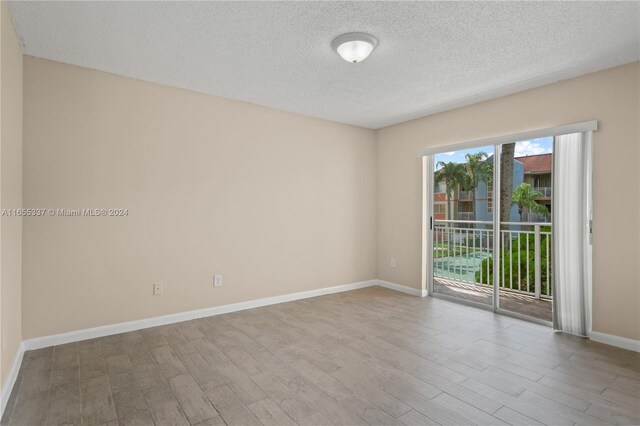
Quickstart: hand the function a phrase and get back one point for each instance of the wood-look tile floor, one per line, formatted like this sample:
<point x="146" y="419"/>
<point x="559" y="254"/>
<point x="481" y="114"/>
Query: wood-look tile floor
<point x="370" y="356"/>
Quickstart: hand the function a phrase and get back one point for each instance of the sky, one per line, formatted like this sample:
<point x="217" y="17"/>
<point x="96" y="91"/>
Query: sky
<point x="530" y="147"/>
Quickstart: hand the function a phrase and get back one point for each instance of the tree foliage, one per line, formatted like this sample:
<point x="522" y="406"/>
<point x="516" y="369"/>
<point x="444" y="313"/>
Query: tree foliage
<point x="477" y="170"/>
<point x="453" y="175"/>
<point x="524" y="196"/>
<point x="516" y="254"/>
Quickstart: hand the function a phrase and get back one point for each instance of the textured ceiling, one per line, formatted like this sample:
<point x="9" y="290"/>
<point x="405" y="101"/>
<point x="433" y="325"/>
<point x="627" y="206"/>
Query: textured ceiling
<point x="431" y="56"/>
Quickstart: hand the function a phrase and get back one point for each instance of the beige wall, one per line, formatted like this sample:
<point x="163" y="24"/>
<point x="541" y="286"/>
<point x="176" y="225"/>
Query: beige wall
<point x="10" y="191"/>
<point x="613" y="98"/>
<point x="275" y="202"/>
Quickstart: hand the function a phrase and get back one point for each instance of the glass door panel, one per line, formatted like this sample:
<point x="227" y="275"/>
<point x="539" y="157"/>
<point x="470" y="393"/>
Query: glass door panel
<point x="525" y="228"/>
<point x="463" y="225"/>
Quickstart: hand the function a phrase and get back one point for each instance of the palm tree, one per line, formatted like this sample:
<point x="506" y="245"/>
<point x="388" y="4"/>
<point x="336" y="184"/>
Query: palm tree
<point x="506" y="180"/>
<point x="453" y="175"/>
<point x="524" y="196"/>
<point x="478" y="169"/>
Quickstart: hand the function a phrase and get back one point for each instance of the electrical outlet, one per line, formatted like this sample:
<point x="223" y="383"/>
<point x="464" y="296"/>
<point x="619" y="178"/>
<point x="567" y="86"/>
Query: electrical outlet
<point x="157" y="289"/>
<point x="217" y="280"/>
<point x="393" y="262"/>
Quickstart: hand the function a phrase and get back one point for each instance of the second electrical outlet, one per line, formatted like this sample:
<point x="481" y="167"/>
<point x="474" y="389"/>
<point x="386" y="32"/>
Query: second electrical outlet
<point x="217" y="280"/>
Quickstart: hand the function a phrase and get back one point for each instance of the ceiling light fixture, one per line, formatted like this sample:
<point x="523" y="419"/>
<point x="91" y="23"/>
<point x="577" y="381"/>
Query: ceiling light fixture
<point x="354" y="47"/>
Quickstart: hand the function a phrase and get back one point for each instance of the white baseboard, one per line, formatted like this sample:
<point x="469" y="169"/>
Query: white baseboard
<point x="91" y="333"/>
<point x="5" y="393"/>
<point x="402" y="288"/>
<point x="613" y="340"/>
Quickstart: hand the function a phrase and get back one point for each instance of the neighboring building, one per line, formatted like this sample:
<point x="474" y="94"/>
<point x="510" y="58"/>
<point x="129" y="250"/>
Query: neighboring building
<point x="534" y="170"/>
<point x="440" y="202"/>
<point x="537" y="173"/>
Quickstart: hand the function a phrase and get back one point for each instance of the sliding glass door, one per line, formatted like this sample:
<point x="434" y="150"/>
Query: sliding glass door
<point x="491" y="228"/>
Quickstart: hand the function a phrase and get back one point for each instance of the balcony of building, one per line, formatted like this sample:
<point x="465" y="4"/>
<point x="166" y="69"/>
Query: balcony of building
<point x="544" y="190"/>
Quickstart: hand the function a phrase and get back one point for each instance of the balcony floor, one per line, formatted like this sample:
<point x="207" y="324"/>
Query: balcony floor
<point x="510" y="301"/>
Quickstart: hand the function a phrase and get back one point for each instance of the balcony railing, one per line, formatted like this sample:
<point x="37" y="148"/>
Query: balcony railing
<point x="463" y="251"/>
<point x="465" y="195"/>
<point x="465" y="215"/>
<point x="536" y="217"/>
<point x="544" y="190"/>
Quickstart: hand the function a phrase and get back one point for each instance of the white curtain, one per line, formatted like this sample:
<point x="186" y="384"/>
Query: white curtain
<point x="572" y="233"/>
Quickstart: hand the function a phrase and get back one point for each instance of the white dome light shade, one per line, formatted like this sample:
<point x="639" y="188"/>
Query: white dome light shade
<point x="354" y="47"/>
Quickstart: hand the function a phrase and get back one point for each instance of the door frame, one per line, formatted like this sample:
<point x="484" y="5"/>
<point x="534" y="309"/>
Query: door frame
<point x="427" y="224"/>
<point x="428" y="155"/>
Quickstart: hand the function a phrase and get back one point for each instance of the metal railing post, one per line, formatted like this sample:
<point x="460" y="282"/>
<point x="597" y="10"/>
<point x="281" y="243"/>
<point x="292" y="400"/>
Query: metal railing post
<point x="536" y="260"/>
